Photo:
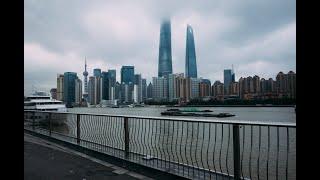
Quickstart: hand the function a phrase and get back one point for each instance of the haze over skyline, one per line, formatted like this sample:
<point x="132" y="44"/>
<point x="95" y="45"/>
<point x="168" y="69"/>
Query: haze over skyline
<point x="258" y="38"/>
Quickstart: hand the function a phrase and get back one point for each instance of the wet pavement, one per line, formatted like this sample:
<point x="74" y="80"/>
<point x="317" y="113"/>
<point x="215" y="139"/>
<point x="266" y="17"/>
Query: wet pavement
<point x="46" y="160"/>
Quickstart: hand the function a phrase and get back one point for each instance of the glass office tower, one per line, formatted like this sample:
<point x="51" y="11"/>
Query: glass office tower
<point x="165" y="58"/>
<point x="191" y="64"/>
<point x="69" y="88"/>
<point x="127" y="74"/>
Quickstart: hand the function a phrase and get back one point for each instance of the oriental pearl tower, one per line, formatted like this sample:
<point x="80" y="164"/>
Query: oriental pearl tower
<point x="85" y="80"/>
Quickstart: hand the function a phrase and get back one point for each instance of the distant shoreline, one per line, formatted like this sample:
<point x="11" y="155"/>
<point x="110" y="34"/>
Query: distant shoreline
<point x="234" y="106"/>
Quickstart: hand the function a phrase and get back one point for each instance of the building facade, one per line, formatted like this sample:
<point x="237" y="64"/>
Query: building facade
<point x="218" y="90"/>
<point x="160" y="88"/>
<point x="53" y="93"/>
<point x="97" y="72"/>
<point x="60" y="84"/>
<point x="78" y="92"/>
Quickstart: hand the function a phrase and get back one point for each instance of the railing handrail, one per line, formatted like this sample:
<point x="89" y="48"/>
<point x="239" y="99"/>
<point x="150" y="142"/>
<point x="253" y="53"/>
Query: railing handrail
<point x="238" y="121"/>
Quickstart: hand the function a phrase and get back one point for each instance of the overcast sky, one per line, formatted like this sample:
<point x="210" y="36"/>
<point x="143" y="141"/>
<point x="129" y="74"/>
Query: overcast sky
<point x="257" y="37"/>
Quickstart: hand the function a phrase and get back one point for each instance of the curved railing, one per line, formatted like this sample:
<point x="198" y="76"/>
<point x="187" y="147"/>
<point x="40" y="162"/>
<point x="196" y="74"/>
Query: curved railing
<point x="196" y="149"/>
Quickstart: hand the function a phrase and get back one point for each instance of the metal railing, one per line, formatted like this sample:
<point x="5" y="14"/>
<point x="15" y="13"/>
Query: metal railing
<point x="195" y="149"/>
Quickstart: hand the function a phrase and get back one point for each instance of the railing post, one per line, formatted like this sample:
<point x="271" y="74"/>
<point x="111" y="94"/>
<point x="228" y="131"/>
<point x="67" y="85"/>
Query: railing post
<point x="126" y="137"/>
<point x="33" y="120"/>
<point x="50" y="124"/>
<point x="78" y="129"/>
<point x="236" y="151"/>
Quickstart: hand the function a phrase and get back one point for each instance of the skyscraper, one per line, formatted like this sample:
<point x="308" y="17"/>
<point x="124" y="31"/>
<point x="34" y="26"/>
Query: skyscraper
<point x="127" y="74"/>
<point x="191" y="63"/>
<point x="165" y="57"/>
<point x="228" y="77"/>
<point x="96" y="72"/>
<point x="69" y="88"/>
<point x="105" y="85"/>
<point x="144" y="89"/>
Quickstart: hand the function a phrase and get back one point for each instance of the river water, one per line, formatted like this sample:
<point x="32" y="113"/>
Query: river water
<point x="264" y="150"/>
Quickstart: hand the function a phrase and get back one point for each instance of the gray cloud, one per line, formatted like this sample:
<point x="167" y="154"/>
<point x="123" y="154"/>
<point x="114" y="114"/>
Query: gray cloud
<point x="257" y="37"/>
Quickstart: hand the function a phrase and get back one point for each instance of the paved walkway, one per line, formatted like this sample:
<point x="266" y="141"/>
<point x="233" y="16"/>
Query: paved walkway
<point x="46" y="160"/>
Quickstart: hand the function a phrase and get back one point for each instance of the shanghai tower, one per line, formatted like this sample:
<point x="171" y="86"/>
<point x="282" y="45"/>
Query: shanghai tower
<point x="191" y="64"/>
<point x="165" y="58"/>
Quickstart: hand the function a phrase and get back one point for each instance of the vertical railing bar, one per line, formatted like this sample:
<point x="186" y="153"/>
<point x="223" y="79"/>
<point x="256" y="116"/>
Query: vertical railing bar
<point x="287" y="160"/>
<point x="176" y="146"/>
<point x="268" y="152"/>
<point x="196" y="151"/>
<point x="155" y="150"/>
<point x="182" y="159"/>
<point x="158" y="150"/>
<point x="148" y="142"/>
<point x="221" y="148"/>
<point x="167" y="146"/>
<point x="243" y="142"/>
<point x="191" y="151"/>
<point x="140" y="139"/>
<point x="258" y="161"/>
<point x="50" y="125"/>
<point x="119" y="138"/>
<point x="209" y="140"/>
<point x="171" y="145"/>
<point x="236" y="152"/>
<point x="186" y="147"/>
<point x="228" y="151"/>
<point x="214" y="149"/>
<point x="251" y="133"/>
<point x="161" y="147"/>
<point x="78" y="129"/>
<point x="203" y="129"/>
<point x="33" y="120"/>
<point x="277" y="163"/>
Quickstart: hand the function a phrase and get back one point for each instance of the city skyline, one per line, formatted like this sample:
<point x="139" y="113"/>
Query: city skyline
<point x="253" y="46"/>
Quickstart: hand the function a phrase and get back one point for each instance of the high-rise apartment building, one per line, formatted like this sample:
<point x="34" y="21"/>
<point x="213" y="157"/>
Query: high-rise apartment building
<point x="160" y="88"/>
<point x="95" y="90"/>
<point x="172" y="86"/>
<point x="137" y="89"/>
<point x="218" y="90"/>
<point x="165" y="57"/>
<point x="78" y="91"/>
<point x="60" y="84"/>
<point x="205" y="88"/>
<point x="191" y="63"/>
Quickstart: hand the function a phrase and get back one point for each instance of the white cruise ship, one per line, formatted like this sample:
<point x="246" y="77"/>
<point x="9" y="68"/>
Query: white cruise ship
<point x="41" y="101"/>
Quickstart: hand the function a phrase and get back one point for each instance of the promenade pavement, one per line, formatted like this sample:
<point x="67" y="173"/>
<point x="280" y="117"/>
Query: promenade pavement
<point x="46" y="160"/>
